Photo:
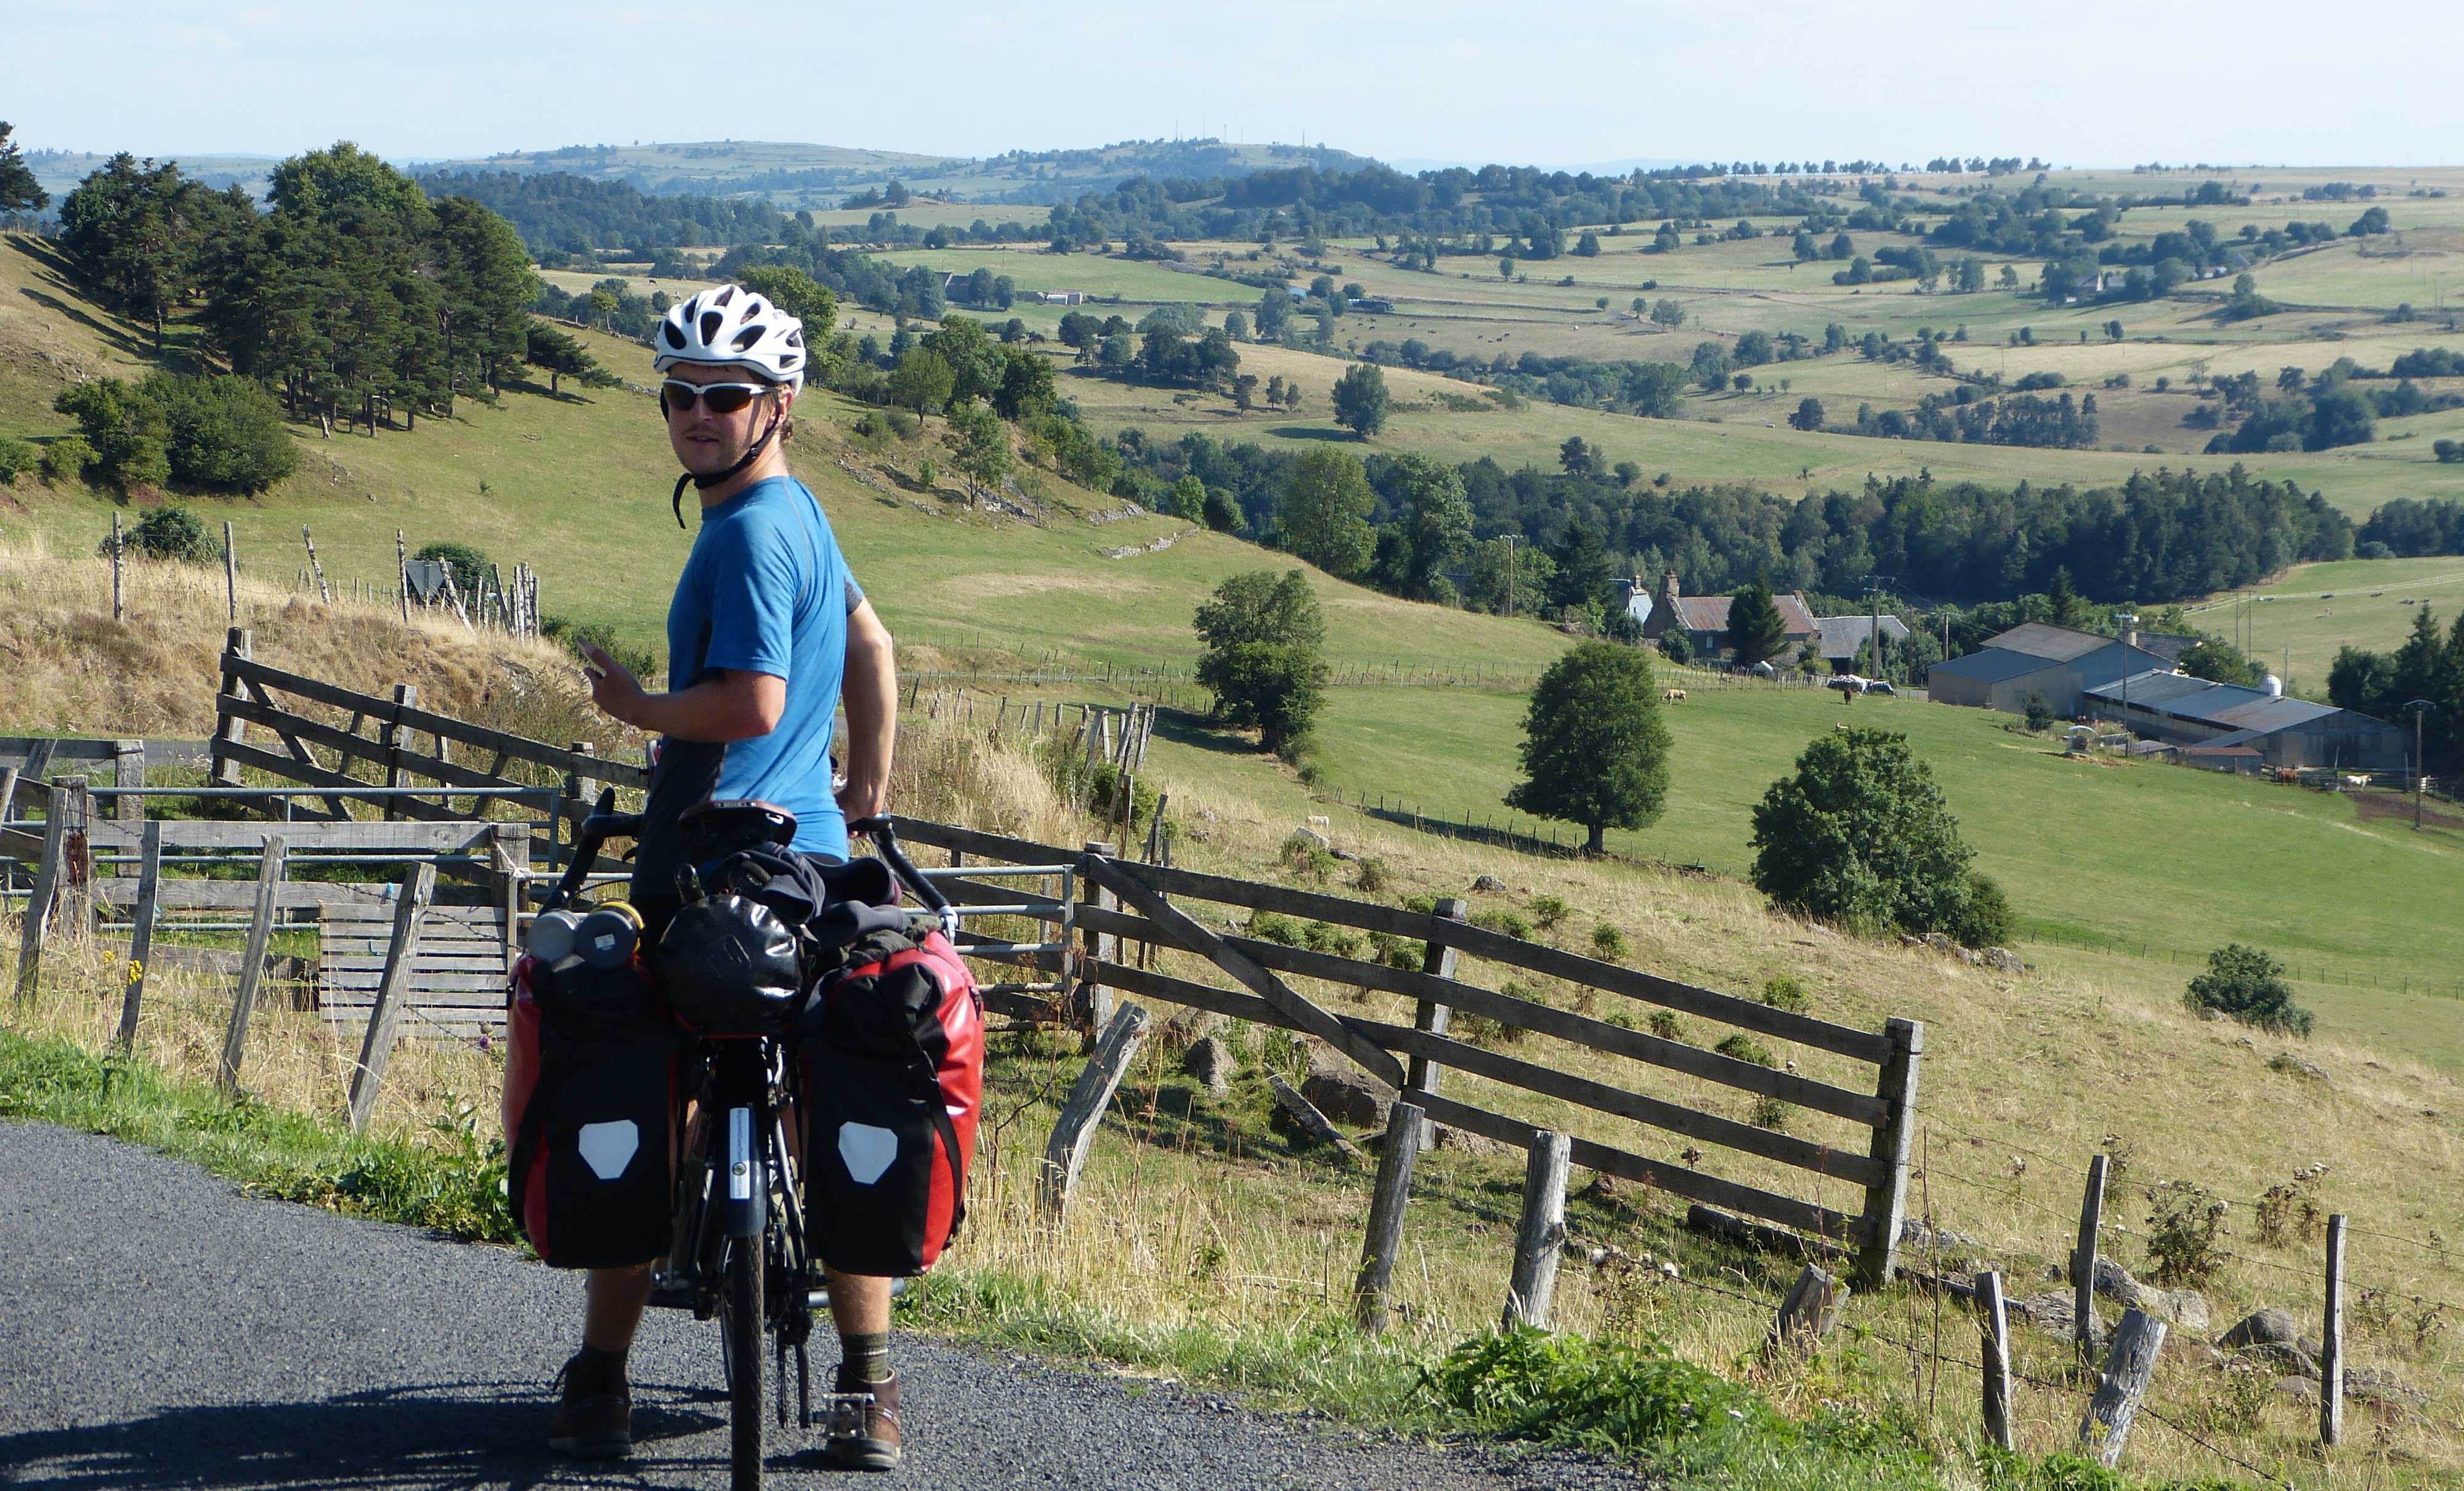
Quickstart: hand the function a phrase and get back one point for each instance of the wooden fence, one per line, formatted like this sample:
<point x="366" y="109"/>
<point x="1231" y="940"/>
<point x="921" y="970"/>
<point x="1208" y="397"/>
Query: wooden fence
<point x="1127" y="902"/>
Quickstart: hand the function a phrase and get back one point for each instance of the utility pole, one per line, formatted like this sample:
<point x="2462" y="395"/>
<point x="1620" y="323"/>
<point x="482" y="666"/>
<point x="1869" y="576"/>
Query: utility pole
<point x="1873" y="585"/>
<point x="2419" y="708"/>
<point x="1509" y="574"/>
<point x="2128" y="622"/>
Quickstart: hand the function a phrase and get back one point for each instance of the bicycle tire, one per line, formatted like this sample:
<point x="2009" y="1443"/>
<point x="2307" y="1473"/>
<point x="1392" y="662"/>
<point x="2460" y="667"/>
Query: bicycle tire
<point x="740" y="1316"/>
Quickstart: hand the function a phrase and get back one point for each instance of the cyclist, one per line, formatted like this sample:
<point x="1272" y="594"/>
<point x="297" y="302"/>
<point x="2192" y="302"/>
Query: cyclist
<point x="768" y="633"/>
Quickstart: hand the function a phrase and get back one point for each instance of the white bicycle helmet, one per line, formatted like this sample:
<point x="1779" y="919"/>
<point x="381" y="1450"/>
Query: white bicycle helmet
<point x="733" y="327"/>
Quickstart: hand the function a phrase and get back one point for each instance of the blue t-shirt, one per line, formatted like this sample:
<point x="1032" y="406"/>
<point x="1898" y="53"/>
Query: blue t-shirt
<point x="764" y="591"/>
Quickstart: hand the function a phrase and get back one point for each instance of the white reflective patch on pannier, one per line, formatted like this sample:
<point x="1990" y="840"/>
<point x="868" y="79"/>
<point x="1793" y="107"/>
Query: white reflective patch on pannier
<point x="609" y="1147"/>
<point x="865" y="1151"/>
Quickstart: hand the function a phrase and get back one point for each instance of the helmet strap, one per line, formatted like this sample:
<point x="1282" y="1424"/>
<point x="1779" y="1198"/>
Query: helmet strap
<point x="676" y="501"/>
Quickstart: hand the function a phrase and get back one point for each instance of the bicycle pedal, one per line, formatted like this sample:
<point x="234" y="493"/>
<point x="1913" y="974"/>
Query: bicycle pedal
<point x="841" y="1414"/>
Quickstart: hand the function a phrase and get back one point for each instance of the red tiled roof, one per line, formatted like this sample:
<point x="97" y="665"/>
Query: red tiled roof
<point x="1710" y="613"/>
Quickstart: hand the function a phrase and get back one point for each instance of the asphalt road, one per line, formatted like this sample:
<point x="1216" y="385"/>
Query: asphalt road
<point x="158" y="1329"/>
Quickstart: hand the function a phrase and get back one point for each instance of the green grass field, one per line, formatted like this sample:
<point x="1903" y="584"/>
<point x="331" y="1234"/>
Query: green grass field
<point x="2146" y="864"/>
<point x="2299" y="621"/>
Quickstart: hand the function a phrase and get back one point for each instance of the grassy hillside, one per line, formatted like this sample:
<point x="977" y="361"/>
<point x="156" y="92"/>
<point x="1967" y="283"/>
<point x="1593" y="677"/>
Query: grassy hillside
<point x="2315" y="609"/>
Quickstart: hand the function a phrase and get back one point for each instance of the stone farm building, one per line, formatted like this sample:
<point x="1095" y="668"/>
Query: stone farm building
<point x="2058" y="662"/>
<point x="1705" y="618"/>
<point x="1843" y="637"/>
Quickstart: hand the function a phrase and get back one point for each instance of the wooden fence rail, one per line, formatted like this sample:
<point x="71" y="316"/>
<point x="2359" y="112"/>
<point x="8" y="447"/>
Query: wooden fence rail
<point x="1147" y="913"/>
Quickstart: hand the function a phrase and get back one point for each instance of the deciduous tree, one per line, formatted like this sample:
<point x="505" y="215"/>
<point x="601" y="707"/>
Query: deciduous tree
<point x="1594" y="748"/>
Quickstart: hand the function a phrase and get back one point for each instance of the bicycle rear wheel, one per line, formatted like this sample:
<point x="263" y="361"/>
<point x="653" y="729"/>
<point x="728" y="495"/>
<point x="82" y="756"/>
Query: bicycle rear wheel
<point x="739" y="1331"/>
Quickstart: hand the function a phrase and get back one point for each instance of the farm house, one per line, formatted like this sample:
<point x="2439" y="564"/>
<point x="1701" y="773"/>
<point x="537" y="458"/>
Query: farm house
<point x="2059" y="662"/>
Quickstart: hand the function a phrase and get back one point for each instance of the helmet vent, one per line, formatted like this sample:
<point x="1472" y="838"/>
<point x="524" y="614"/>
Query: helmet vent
<point x="674" y="334"/>
<point x="795" y="339"/>
<point x="748" y="336"/>
<point x="725" y="296"/>
<point x="789" y="360"/>
<point x="711" y="321"/>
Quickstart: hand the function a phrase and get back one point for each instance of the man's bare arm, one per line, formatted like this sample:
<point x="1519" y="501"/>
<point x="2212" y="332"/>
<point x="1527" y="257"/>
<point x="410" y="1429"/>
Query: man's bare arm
<point x="734" y="704"/>
<point x="871" y="693"/>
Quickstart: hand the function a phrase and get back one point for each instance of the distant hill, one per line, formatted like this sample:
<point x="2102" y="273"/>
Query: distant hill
<point x="796" y="175"/>
<point x="60" y="170"/>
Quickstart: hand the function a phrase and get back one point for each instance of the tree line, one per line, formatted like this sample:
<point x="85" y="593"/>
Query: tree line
<point x="2427" y="669"/>
<point x="351" y="289"/>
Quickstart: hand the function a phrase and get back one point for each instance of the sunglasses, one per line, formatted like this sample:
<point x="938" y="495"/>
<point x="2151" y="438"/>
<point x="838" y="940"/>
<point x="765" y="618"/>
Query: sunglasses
<point x="678" y="397"/>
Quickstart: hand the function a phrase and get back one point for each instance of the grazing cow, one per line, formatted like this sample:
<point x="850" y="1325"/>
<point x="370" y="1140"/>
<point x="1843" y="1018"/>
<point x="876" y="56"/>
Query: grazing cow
<point x="1672" y="697"/>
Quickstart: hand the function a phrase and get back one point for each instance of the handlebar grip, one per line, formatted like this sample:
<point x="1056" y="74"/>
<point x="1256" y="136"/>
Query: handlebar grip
<point x="885" y="839"/>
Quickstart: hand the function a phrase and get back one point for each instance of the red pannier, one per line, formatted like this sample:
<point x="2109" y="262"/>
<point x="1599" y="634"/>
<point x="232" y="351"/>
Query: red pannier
<point x="893" y="1079"/>
<point x="589" y="1113"/>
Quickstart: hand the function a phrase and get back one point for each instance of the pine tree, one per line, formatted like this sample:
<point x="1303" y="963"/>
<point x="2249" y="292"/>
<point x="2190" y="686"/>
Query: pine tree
<point x="1755" y="631"/>
<point x="2064" y="597"/>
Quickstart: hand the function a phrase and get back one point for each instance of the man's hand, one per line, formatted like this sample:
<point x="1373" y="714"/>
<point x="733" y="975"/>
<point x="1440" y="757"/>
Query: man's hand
<point x="861" y="798"/>
<point x="613" y="688"/>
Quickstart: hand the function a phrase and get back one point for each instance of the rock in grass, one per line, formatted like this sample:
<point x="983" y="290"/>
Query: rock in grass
<point x="1212" y="1062"/>
<point x="2259" y="1326"/>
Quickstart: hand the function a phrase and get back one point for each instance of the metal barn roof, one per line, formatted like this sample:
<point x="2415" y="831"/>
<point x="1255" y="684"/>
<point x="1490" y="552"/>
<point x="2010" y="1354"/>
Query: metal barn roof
<point x="2184" y="697"/>
<point x="1992" y="666"/>
<point x="2053" y="644"/>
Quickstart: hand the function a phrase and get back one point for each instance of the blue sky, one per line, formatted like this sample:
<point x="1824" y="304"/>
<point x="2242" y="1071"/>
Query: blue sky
<point x="2092" y="84"/>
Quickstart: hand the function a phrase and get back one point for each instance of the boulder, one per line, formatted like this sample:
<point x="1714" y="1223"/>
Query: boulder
<point x="1309" y="839"/>
<point x="2258" y="1327"/>
<point x="1212" y="1062"/>
<point x="1487" y="883"/>
<point x="1449" y="1137"/>
<point x="1942" y="943"/>
<point x="1191" y="1026"/>
<point x="2003" y="960"/>
<point x="2281" y="1357"/>
<point x="2187" y="1308"/>
<point x="1345" y="1093"/>
<point x="2302" y="1390"/>
<point x="2375" y="1385"/>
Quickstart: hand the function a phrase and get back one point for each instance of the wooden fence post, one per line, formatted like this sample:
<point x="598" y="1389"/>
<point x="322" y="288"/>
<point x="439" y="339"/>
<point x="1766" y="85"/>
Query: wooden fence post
<point x="1809" y="1313"/>
<point x="141" y="937"/>
<point x="580" y="791"/>
<point x="397" y="739"/>
<point x="376" y="1049"/>
<point x="510" y="851"/>
<point x="47" y="885"/>
<point x="231" y="573"/>
<point x="1073" y="1134"/>
<point x="2123" y="1385"/>
<point x="77" y="858"/>
<point x="1993" y="1323"/>
<point x="1886" y="1198"/>
<point x="1093" y="1000"/>
<point x="117" y="609"/>
<point x="401" y="572"/>
<point x="1395" y="1157"/>
<point x="1437" y="959"/>
<point x="270" y="871"/>
<point x="230" y="729"/>
<point x="2331" y="1339"/>
<point x="2083" y="1321"/>
<point x="1541" y="1236"/>
<point x="325" y="591"/>
<point x="128" y="770"/>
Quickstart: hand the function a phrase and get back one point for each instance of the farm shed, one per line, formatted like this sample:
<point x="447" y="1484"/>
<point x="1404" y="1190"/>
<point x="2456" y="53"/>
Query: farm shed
<point x="2195" y="713"/>
<point x="1842" y="636"/>
<point x="2059" y="662"/>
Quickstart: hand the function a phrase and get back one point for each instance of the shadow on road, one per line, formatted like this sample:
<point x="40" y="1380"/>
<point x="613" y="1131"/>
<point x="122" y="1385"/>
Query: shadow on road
<point x="453" y="1433"/>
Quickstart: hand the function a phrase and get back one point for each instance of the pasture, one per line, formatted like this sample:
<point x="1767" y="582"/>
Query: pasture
<point x="2299" y="621"/>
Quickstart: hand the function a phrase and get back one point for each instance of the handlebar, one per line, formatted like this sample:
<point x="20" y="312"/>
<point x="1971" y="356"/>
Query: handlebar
<point x="884" y="834"/>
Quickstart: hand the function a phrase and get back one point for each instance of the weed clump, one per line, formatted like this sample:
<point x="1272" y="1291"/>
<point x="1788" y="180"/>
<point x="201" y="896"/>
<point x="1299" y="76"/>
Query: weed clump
<point x="1742" y="1047"/>
<point x="1549" y="910"/>
<point x="1786" y="993"/>
<point x="2186" y="1225"/>
<point x="1665" y="1024"/>
<point x="2246" y="984"/>
<point x="1608" y="943"/>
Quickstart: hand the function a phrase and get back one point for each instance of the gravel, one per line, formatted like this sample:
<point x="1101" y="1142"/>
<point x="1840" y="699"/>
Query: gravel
<point x="159" y="1329"/>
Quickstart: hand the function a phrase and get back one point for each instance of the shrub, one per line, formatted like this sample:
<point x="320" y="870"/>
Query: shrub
<point x="467" y="564"/>
<point x="641" y="662"/>
<point x="1327" y="938"/>
<point x="1275" y="927"/>
<point x="1370" y="876"/>
<point x="223" y="432"/>
<point x="170" y="532"/>
<point x="1860" y="835"/>
<point x="1768" y="1113"/>
<point x="2040" y="715"/>
<point x="16" y="455"/>
<point x="66" y="458"/>
<point x="124" y="429"/>
<point x="1742" y="1047"/>
<point x="2184" y="1225"/>
<point x="1510" y="924"/>
<point x="2244" y="983"/>
<point x="1983" y="917"/>
<point x="1608" y="943"/>
<point x="1549" y="910"/>
<point x="1665" y="1024"/>
<point x="1786" y="993"/>
<point x="1639" y="1401"/>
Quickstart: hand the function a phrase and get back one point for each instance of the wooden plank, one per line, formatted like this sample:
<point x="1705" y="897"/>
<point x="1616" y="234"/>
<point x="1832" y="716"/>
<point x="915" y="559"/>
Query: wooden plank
<point x="1598" y="1035"/>
<point x="992" y="847"/>
<point x="454" y="836"/>
<point x="606" y="771"/>
<point x="377" y="1049"/>
<point x="270" y="871"/>
<point x="2331" y="1339"/>
<point x="1438" y="961"/>
<point x="2122" y="1386"/>
<point x="2083" y="1321"/>
<point x="421" y="980"/>
<point x="1993" y="1323"/>
<point x="1073" y="1136"/>
<point x="1887" y="1191"/>
<point x="1305" y="1116"/>
<point x="160" y="751"/>
<point x="240" y="895"/>
<point x="128" y="770"/>
<point x="1809" y="1314"/>
<point x="20" y="843"/>
<point x="38" y="922"/>
<point x="1093" y="1000"/>
<point x="1383" y="1241"/>
<point x="1537" y="957"/>
<point x="1541" y="1236"/>
<point x="1599" y="1096"/>
<point x="140" y="943"/>
<point x="1676" y="1179"/>
<point x="285" y="767"/>
<point x="286" y="728"/>
<point x="228" y="731"/>
<point x="1189" y="934"/>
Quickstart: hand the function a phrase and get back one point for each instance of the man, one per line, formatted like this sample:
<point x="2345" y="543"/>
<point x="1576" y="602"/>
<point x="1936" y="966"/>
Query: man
<point x="768" y="631"/>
